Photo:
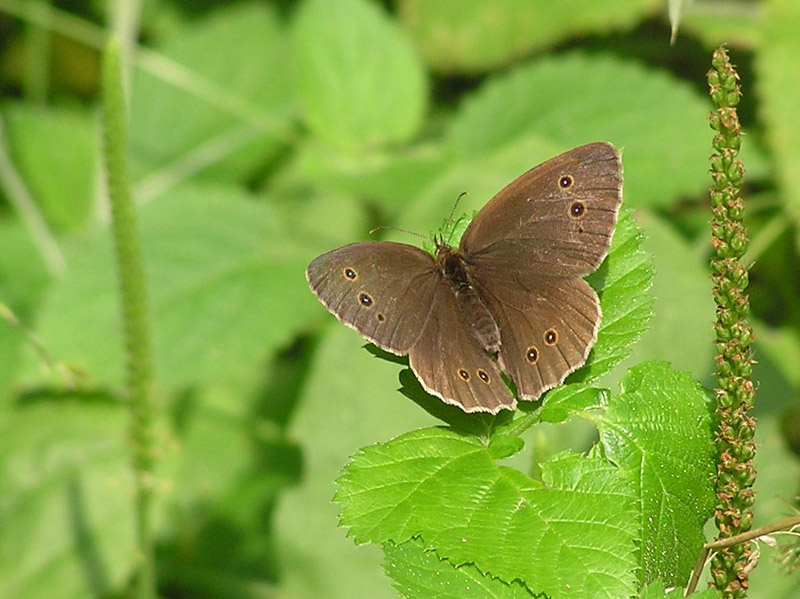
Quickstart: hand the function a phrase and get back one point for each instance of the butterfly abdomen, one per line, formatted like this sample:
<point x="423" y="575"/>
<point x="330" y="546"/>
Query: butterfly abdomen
<point x="472" y="309"/>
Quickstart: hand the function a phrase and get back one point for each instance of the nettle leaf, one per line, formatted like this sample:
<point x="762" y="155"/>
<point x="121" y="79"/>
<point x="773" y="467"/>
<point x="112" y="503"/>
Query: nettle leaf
<point x="570" y="535"/>
<point x="224" y="291"/>
<point x="358" y="79"/>
<point x="622" y="282"/>
<point x="472" y="35"/>
<point x="630" y="106"/>
<point x="420" y="573"/>
<point x="658" y="431"/>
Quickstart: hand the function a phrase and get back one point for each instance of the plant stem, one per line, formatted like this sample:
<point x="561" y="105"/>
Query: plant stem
<point x="785" y="524"/>
<point x="734" y="337"/>
<point x="135" y="314"/>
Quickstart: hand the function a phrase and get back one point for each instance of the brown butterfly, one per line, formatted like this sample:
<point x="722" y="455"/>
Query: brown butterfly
<point x="511" y="298"/>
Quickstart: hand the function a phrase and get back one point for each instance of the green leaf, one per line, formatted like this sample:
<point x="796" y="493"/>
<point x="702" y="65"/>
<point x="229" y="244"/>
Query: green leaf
<point x="357" y="77"/>
<point x="65" y="499"/>
<point x="623" y="282"/>
<point x="389" y="177"/>
<point x="418" y="572"/>
<point x="225" y="291"/>
<point x="471" y="35"/>
<point x="780" y="46"/>
<point x="573" y="99"/>
<point x="504" y="446"/>
<point x="569" y="536"/>
<point x="55" y="152"/>
<point x="231" y="101"/>
<point x="568" y="399"/>
<point x="658" y="431"/>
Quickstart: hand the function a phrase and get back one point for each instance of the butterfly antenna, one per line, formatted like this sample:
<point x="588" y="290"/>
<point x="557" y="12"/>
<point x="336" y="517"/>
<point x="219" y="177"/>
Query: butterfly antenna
<point x="455" y="205"/>
<point x="398" y="229"/>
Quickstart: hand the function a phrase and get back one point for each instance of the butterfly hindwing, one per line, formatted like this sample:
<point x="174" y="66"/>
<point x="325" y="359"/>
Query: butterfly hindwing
<point x="451" y="364"/>
<point x="546" y="328"/>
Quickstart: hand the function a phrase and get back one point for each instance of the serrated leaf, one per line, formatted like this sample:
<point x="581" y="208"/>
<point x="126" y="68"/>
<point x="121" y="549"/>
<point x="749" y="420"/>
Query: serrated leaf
<point x="658" y="431"/>
<point x="224" y="291"/>
<point x="570" y="536"/>
<point x="55" y="152"/>
<point x="622" y="282"/>
<point x="471" y="35"/>
<point x="242" y="55"/>
<point x="358" y="80"/>
<point x="779" y="89"/>
<point x="65" y="500"/>
<point x="419" y="573"/>
<point x="573" y="99"/>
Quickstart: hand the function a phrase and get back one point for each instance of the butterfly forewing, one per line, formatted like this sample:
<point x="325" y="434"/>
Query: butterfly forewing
<point x="556" y="219"/>
<point x="382" y="290"/>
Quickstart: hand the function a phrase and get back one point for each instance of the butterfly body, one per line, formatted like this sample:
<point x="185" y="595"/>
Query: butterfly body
<point x="472" y="308"/>
<point x="509" y="299"/>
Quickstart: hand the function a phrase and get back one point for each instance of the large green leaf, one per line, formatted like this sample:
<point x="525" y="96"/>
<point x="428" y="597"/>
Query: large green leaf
<point x="228" y="96"/>
<point x="471" y="35"/>
<point x="358" y="80"/>
<point x="569" y="536"/>
<point x="623" y="283"/>
<point x="226" y="284"/>
<point x="658" y="431"/>
<point x="566" y="100"/>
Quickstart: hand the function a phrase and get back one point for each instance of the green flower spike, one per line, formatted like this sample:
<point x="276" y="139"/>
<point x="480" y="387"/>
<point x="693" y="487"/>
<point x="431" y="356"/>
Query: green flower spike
<point x="734" y="336"/>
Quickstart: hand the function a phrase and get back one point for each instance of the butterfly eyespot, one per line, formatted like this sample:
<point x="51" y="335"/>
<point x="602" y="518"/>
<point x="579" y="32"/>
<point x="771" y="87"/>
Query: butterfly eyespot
<point x="463" y="374"/>
<point x="577" y="209"/>
<point x="566" y="181"/>
<point x="483" y="376"/>
<point x="350" y="274"/>
<point x="380" y="317"/>
<point x="550" y="337"/>
<point x="532" y="354"/>
<point x="365" y="300"/>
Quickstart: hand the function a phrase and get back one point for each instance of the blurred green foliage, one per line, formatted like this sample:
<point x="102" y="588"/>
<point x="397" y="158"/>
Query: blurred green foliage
<point x="263" y="134"/>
